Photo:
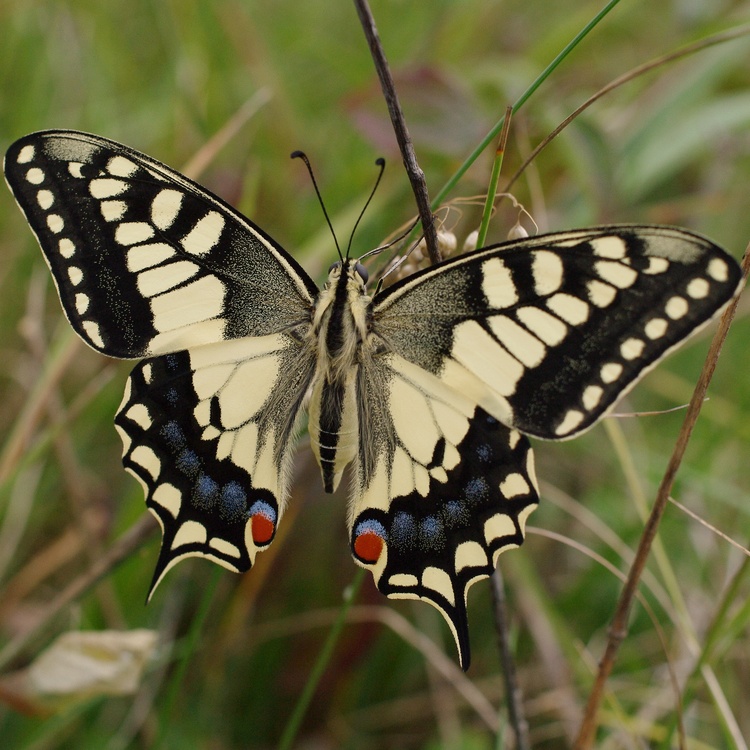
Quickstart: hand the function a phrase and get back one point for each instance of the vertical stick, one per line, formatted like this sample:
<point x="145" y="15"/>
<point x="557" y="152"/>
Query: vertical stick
<point x="416" y="176"/>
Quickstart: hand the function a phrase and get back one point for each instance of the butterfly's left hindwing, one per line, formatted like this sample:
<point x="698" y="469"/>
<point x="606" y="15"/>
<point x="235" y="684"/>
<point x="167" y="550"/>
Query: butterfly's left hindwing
<point x="209" y="434"/>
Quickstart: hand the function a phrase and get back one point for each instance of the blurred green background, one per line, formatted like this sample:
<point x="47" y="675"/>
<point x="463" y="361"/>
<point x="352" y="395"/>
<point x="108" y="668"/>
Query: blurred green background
<point x="670" y="147"/>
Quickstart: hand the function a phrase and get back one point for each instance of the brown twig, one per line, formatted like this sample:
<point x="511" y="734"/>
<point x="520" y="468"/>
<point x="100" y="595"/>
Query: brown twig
<point x="514" y="698"/>
<point x="618" y="628"/>
<point x="413" y="170"/>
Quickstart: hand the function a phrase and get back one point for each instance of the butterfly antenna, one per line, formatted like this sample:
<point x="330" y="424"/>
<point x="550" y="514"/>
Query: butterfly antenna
<point x="381" y="163"/>
<point x="302" y="155"/>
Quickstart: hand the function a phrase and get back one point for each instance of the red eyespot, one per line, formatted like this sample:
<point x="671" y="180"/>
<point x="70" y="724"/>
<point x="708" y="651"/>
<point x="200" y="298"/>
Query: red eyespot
<point x="368" y="546"/>
<point x="263" y="528"/>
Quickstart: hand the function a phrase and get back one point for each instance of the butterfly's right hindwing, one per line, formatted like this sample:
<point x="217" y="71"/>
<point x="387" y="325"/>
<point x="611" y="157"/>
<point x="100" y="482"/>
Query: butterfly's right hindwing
<point x="145" y="260"/>
<point x="209" y="435"/>
<point x="441" y="489"/>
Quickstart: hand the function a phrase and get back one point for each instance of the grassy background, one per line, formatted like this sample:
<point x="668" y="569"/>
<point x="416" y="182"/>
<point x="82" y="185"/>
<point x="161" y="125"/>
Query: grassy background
<point x="670" y="147"/>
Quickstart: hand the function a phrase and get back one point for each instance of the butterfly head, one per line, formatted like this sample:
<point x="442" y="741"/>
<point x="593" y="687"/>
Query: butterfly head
<point x="356" y="275"/>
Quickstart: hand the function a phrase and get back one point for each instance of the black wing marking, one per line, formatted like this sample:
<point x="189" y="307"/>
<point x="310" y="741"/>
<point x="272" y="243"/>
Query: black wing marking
<point x="145" y="260"/>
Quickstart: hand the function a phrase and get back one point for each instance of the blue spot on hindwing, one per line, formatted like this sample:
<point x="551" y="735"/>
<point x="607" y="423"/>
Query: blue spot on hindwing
<point x="206" y="492"/>
<point x="372" y="526"/>
<point x="476" y="490"/>
<point x="233" y="502"/>
<point x="173" y="436"/>
<point x="403" y="534"/>
<point x="262" y="508"/>
<point x="188" y="463"/>
<point x="431" y="534"/>
<point x="455" y="514"/>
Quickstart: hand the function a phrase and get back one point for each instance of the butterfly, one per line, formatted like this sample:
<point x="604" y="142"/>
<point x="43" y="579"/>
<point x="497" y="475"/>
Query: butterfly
<point x="428" y="390"/>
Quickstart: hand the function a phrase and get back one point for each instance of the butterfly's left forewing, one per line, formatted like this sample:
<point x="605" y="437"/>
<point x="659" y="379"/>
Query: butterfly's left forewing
<point x="145" y="260"/>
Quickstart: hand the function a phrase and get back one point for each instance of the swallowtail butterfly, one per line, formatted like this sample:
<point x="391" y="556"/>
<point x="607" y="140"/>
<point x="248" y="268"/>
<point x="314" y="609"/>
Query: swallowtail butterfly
<point x="428" y="389"/>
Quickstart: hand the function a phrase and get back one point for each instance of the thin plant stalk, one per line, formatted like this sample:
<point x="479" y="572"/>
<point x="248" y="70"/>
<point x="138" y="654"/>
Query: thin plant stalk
<point x="300" y="709"/>
<point x="497" y="166"/>
<point x="538" y="81"/>
<point x="618" y="629"/>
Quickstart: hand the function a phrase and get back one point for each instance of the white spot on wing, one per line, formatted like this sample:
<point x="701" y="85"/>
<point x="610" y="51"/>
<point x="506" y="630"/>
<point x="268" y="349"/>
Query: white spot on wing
<point x="191" y="532"/>
<point x="162" y="279"/>
<point x="66" y="248"/>
<point x="438" y="580"/>
<point x="106" y="187"/>
<point x="498" y="526"/>
<point x="121" y="166"/>
<point x="146" y="459"/>
<point x="656" y="328"/>
<point x="26" y="154"/>
<point x="547" y="270"/>
<point x="616" y="274"/>
<point x="698" y="289"/>
<point x="572" y="419"/>
<point x="113" y="210"/>
<point x="517" y="340"/>
<point x="571" y="309"/>
<point x="513" y="485"/>
<point x="132" y="232"/>
<point x="204" y="235"/>
<point x="656" y="265"/>
<point x="45" y="199"/>
<point x="93" y="333"/>
<point x="55" y="223"/>
<point x="676" y="307"/>
<point x="148" y="255"/>
<point x="497" y="284"/>
<point x="35" y="176"/>
<point x="632" y="348"/>
<point x="165" y="208"/>
<point x="718" y="270"/>
<point x="223" y="546"/>
<point x="470" y="555"/>
<point x="75" y="275"/>
<point x="168" y="497"/>
<point x="601" y="294"/>
<point x="610" y="372"/>
<point x="547" y="327"/>
<point x="403" y="580"/>
<point x="592" y="396"/>
<point x="609" y="247"/>
<point x="82" y="303"/>
<point x="138" y="413"/>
